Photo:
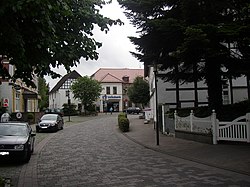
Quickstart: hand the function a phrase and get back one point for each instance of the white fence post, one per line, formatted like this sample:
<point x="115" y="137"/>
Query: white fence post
<point x="248" y="127"/>
<point x="214" y="127"/>
<point x="191" y="120"/>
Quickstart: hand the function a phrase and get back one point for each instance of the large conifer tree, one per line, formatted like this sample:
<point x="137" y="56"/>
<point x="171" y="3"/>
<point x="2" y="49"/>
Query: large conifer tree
<point x="194" y="36"/>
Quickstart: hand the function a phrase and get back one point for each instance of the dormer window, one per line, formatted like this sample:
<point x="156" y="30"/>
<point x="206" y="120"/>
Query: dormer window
<point x="125" y="78"/>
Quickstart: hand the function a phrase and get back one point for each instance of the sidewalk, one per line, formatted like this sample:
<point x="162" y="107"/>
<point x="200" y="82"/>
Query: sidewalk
<point x="225" y="156"/>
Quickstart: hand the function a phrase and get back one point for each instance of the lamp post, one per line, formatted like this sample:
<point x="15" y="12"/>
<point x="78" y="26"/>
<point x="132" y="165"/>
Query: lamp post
<point x="67" y="95"/>
<point x="156" y="101"/>
<point x="156" y="105"/>
<point x="105" y="103"/>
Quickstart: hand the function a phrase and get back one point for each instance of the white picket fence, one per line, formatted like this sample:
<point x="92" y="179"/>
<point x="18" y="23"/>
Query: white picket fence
<point x="237" y="130"/>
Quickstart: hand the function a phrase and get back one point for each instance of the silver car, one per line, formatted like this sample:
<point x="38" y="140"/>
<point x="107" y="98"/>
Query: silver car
<point x="50" y="122"/>
<point x="16" y="141"/>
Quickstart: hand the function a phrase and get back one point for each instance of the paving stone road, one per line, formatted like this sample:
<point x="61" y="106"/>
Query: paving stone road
<point x="94" y="153"/>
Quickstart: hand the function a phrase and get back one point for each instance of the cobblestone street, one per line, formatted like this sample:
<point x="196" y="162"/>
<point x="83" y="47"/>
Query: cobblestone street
<point x="95" y="153"/>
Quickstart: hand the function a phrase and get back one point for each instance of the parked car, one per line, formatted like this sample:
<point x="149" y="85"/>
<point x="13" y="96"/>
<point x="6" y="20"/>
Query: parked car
<point x="132" y="110"/>
<point x="16" y="141"/>
<point x="50" y="122"/>
<point x="55" y="111"/>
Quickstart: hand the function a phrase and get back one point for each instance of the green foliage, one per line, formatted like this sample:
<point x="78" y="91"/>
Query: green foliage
<point x="122" y="115"/>
<point x="193" y="38"/>
<point x="43" y="91"/>
<point x="87" y="90"/>
<point x="231" y="112"/>
<point x="30" y="116"/>
<point x="38" y="35"/>
<point x="69" y="109"/>
<point x="2" y="183"/>
<point x="139" y="91"/>
<point x="227" y="112"/>
<point x="91" y="108"/>
<point x="123" y="123"/>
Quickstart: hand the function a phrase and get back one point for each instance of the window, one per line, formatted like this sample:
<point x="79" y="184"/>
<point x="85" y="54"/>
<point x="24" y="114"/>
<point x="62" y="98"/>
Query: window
<point x="114" y="90"/>
<point x="107" y="90"/>
<point x="67" y="84"/>
<point x="225" y="90"/>
<point x="17" y="101"/>
<point x="29" y="105"/>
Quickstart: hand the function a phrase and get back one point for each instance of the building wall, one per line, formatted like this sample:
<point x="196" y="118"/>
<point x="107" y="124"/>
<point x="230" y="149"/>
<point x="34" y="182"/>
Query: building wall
<point x="9" y="90"/>
<point x="6" y="92"/>
<point x="58" y="98"/>
<point x="112" y="100"/>
<point x="167" y="92"/>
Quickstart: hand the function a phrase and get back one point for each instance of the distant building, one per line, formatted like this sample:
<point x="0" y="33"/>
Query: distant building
<point x="17" y="97"/>
<point x="58" y="94"/>
<point x="115" y="83"/>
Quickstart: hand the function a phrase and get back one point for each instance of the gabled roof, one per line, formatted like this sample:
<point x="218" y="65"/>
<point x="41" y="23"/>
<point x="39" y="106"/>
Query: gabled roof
<point x="117" y="74"/>
<point x="110" y="78"/>
<point x="72" y="75"/>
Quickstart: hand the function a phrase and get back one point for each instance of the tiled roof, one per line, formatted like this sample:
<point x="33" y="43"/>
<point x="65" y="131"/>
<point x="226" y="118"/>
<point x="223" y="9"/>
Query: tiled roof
<point x="117" y="74"/>
<point x="72" y="75"/>
<point x="110" y="78"/>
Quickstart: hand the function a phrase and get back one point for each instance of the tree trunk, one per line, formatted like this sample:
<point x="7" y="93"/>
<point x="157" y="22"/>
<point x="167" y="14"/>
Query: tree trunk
<point x="213" y="80"/>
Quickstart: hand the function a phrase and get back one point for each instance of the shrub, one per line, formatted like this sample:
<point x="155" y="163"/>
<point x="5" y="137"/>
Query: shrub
<point x="227" y="112"/>
<point x="123" y="123"/>
<point x="122" y="115"/>
<point x="2" y="183"/>
<point x="30" y="116"/>
<point x="69" y="109"/>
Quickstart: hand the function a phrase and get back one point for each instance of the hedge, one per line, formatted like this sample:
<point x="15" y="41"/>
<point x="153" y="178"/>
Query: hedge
<point x="123" y="122"/>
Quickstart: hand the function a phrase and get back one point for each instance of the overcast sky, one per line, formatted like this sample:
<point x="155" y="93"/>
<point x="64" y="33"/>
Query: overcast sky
<point x="115" y="50"/>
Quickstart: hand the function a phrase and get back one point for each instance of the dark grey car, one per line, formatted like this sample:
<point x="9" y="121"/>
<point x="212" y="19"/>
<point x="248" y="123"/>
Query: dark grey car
<point x="132" y="110"/>
<point x="50" y="122"/>
<point x="16" y="141"/>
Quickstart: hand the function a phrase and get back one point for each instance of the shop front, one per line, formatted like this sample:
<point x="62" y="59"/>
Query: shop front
<point x="108" y="101"/>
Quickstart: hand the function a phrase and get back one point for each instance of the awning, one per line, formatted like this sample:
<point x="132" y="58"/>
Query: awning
<point x="27" y="94"/>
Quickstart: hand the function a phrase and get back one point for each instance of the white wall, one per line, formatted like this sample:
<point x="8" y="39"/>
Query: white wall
<point x="6" y="92"/>
<point x="111" y="95"/>
<point x="60" y="98"/>
<point x="239" y="92"/>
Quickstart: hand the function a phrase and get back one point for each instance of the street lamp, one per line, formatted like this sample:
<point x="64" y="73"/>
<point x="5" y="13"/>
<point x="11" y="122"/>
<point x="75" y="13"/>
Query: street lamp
<point x="67" y="95"/>
<point x="105" y="103"/>
<point x="156" y="101"/>
<point x="156" y="105"/>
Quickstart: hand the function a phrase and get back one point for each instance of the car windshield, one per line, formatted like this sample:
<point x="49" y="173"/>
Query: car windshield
<point x="49" y="117"/>
<point x="13" y="130"/>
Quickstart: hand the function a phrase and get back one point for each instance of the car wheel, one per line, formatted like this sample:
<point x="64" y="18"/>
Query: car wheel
<point x="57" y="128"/>
<point x="32" y="150"/>
<point x="37" y="129"/>
<point x="27" y="156"/>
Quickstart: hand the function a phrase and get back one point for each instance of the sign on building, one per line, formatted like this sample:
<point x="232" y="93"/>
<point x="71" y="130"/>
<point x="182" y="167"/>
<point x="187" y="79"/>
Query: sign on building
<point x="5" y="102"/>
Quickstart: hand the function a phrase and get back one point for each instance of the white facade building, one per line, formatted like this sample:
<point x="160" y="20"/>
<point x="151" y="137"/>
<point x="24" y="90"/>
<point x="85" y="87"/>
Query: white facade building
<point x="57" y="95"/>
<point x="115" y="83"/>
<point x="234" y="91"/>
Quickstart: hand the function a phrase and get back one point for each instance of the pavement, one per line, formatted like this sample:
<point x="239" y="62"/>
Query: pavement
<point x="227" y="155"/>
